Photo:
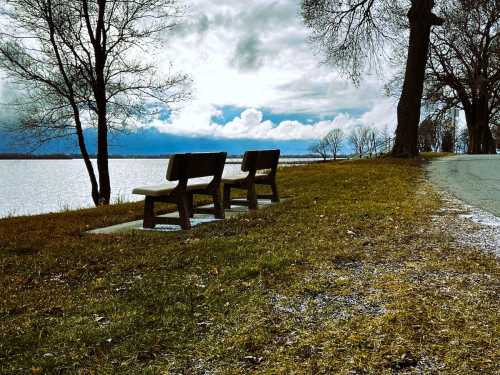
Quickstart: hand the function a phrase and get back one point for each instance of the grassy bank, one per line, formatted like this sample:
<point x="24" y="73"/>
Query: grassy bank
<point x="347" y="276"/>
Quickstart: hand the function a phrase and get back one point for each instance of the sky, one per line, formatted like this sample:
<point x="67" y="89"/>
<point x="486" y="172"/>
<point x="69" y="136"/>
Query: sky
<point x="254" y="56"/>
<point x="256" y="82"/>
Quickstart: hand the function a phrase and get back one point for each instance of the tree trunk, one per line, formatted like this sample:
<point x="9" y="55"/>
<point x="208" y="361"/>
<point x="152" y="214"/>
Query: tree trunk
<point x="101" y="104"/>
<point x="88" y="164"/>
<point x="102" y="160"/>
<point x="497" y="137"/>
<point x="480" y="138"/>
<point x="102" y="141"/>
<point x="421" y="20"/>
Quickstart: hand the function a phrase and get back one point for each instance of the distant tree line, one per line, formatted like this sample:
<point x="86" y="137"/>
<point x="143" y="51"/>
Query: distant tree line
<point x="363" y="139"/>
<point x="21" y="156"/>
<point x="329" y="145"/>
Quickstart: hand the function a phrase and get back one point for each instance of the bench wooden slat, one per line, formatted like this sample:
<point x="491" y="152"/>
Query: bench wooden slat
<point x="258" y="160"/>
<point x="195" y="165"/>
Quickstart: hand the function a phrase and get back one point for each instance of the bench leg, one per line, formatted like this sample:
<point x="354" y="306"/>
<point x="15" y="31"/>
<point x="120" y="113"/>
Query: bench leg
<point x="190" y="205"/>
<point x="218" y="209"/>
<point x="183" y="207"/>
<point x="227" y="196"/>
<point x="276" y="197"/>
<point x="149" y="213"/>
<point x="252" y="197"/>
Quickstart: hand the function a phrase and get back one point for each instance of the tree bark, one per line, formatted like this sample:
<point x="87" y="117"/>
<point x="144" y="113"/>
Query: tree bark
<point x="477" y="115"/>
<point x="86" y="160"/>
<point x="421" y="20"/>
<point x="497" y="137"/>
<point x="480" y="137"/>
<point x="103" y="158"/>
<point x="101" y="106"/>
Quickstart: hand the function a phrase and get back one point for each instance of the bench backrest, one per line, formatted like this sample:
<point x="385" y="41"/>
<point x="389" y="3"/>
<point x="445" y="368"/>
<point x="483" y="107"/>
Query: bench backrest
<point x="262" y="159"/>
<point x="195" y="165"/>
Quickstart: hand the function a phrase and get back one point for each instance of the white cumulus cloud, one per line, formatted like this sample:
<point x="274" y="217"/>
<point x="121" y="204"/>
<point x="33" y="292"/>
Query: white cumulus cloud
<point x="198" y="121"/>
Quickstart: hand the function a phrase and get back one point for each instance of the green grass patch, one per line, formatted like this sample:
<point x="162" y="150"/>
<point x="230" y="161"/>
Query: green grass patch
<point x="348" y="276"/>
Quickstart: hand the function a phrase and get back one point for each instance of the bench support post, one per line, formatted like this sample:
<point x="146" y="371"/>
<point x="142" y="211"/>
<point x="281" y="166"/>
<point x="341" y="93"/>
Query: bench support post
<point x="191" y="204"/>
<point x="227" y="196"/>
<point x="252" y="197"/>
<point x="218" y="208"/>
<point x="149" y="213"/>
<point x="274" y="188"/>
<point x="184" y="211"/>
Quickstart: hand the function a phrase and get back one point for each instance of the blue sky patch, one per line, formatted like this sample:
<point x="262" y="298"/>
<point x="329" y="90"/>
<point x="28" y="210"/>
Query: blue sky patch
<point x="229" y="113"/>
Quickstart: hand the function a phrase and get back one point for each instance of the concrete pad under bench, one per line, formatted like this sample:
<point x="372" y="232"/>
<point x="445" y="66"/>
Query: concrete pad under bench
<point x="198" y="219"/>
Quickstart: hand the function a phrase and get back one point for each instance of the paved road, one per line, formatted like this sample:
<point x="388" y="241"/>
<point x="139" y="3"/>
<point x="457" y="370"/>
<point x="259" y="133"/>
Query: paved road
<point x="473" y="179"/>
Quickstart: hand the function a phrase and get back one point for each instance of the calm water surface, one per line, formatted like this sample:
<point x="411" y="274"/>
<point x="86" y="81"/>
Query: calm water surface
<point x="30" y="187"/>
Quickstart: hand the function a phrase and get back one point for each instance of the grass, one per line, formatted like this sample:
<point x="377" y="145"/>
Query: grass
<point x="435" y="155"/>
<point x="347" y="276"/>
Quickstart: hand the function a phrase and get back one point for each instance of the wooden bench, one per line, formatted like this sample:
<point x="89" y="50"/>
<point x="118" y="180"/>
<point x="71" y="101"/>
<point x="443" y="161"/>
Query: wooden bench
<point x="181" y="168"/>
<point x="253" y="162"/>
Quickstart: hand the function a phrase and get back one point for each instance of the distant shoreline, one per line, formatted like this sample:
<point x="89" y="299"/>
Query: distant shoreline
<point x="9" y="156"/>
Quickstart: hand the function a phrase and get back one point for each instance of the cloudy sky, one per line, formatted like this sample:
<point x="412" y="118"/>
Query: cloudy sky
<point x="257" y="79"/>
<point x="256" y="76"/>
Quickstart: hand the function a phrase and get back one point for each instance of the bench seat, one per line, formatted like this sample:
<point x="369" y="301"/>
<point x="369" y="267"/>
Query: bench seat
<point x="164" y="189"/>
<point x="241" y="177"/>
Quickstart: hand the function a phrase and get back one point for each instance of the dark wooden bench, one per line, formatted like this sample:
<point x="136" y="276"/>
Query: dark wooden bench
<point x="181" y="168"/>
<point x="254" y="162"/>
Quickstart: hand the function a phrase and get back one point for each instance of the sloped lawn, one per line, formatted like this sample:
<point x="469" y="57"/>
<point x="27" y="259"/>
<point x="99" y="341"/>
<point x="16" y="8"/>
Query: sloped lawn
<point x="349" y="275"/>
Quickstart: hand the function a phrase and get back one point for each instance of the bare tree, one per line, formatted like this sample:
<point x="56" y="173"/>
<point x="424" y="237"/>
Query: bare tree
<point x="464" y="68"/>
<point x="88" y="63"/>
<point x="353" y="32"/>
<point x="334" y="139"/>
<point x="320" y="148"/>
<point x="386" y="140"/>
<point x="359" y="138"/>
<point x="374" y="142"/>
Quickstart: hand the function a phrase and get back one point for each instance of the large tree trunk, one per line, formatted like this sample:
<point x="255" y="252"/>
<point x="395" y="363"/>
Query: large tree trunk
<point x="497" y="136"/>
<point x="480" y="139"/>
<point x="477" y="117"/>
<point x="421" y="20"/>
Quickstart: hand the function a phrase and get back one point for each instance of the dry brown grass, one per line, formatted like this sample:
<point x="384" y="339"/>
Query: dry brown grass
<point x="348" y="276"/>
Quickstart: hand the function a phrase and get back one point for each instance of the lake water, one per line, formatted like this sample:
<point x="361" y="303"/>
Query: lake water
<point x="29" y="187"/>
